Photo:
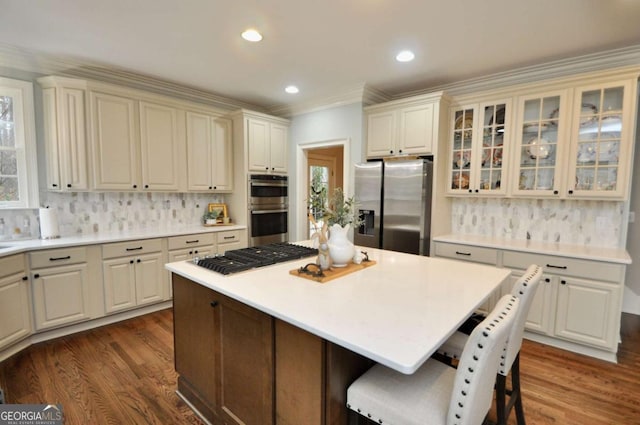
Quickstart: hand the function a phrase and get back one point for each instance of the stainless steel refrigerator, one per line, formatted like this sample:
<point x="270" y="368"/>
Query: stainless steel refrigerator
<point x="394" y="200"/>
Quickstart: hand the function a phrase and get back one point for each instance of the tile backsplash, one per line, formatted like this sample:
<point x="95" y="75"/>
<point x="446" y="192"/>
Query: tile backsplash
<point x="89" y="212"/>
<point x="576" y="222"/>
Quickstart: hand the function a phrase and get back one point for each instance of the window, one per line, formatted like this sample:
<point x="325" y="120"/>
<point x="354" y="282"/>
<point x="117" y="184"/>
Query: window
<point x="18" y="162"/>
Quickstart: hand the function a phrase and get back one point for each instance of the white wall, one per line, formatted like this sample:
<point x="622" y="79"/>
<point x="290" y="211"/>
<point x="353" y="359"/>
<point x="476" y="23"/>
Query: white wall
<point x="631" y="300"/>
<point x="324" y="126"/>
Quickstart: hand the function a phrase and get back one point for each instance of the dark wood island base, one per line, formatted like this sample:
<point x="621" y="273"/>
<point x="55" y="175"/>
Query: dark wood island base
<point x="238" y="365"/>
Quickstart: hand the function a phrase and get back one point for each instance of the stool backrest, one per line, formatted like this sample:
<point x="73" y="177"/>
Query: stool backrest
<point x="525" y="289"/>
<point x="473" y="387"/>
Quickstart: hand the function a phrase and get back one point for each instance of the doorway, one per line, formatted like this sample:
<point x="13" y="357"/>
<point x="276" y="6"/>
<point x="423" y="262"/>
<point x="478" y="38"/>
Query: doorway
<point x="322" y="169"/>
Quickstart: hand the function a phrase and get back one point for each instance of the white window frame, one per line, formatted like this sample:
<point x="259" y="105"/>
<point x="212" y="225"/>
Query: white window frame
<point x="25" y="133"/>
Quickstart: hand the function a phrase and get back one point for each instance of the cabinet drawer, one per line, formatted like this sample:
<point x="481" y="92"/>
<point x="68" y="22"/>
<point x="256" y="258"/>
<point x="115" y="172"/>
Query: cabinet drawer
<point x="57" y="257"/>
<point x="228" y="236"/>
<point x="594" y="270"/>
<point x="11" y="265"/>
<point x="466" y="252"/>
<point x="188" y="241"/>
<point x="124" y="249"/>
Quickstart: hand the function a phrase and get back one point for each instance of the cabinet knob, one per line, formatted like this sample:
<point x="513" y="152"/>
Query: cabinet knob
<point x="215" y="187"/>
<point x="37" y="275"/>
<point x="195" y="252"/>
<point x="190" y="252"/>
<point x="137" y="261"/>
<point x="564" y="282"/>
<point x="25" y="277"/>
<point x="68" y="184"/>
<point x="555" y="192"/>
<point x="135" y="186"/>
<point x="570" y="192"/>
<point x="146" y="186"/>
<point x="131" y="262"/>
<point x="400" y="151"/>
<point x="214" y="303"/>
<point x="54" y="185"/>
<point x="391" y="152"/>
<point x="547" y="280"/>
<point x="477" y="190"/>
<point x="470" y="191"/>
<point x="266" y="168"/>
<point x="210" y="187"/>
<point x="273" y="168"/>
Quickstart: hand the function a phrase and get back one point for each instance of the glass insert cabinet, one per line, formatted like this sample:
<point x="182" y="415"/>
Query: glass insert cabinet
<point x="478" y="148"/>
<point x="573" y="142"/>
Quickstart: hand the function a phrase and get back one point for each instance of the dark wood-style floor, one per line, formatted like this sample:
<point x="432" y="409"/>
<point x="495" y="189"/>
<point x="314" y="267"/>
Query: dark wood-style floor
<point x="123" y="374"/>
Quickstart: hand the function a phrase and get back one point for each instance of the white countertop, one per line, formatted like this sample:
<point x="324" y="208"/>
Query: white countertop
<point x="17" y="246"/>
<point x="397" y="312"/>
<point x="612" y="255"/>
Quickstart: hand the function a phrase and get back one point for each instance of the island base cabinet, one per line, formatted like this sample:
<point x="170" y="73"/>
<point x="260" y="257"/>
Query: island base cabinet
<point x="224" y="355"/>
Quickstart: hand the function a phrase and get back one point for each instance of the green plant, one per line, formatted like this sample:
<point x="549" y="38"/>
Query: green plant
<point x="342" y="210"/>
<point x="210" y="215"/>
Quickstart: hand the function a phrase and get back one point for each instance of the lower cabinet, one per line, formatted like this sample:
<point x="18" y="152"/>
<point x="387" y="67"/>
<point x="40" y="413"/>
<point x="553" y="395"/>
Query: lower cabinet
<point x="578" y="301"/>
<point x="237" y="365"/>
<point x="15" y="301"/>
<point x="230" y="240"/>
<point x="223" y="354"/>
<point x="133" y="274"/>
<point x="60" y="287"/>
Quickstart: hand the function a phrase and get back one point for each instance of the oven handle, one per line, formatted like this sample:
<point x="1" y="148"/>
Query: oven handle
<point x="270" y="184"/>
<point x="268" y="211"/>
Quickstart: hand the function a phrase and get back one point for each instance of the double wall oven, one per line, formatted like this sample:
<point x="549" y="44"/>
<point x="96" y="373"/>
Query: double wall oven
<point x="268" y="209"/>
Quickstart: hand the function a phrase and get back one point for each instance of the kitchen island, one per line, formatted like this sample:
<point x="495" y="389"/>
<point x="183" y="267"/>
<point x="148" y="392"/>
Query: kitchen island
<point x="264" y="346"/>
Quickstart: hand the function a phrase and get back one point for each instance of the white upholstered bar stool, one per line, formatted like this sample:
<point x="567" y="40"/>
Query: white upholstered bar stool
<point x="525" y="289"/>
<point x="437" y="394"/>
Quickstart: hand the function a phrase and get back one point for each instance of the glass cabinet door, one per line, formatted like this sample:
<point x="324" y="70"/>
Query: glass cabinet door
<point x="492" y="150"/>
<point x="462" y="147"/>
<point x="598" y="132"/>
<point x="541" y="143"/>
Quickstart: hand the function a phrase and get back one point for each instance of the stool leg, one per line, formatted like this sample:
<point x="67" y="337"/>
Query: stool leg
<point x="501" y="391"/>
<point x="515" y="390"/>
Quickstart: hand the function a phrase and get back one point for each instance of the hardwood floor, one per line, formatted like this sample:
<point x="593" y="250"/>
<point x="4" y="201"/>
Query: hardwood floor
<point x="124" y="374"/>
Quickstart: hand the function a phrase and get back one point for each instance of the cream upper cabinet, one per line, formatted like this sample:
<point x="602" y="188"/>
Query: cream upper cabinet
<point x="65" y="133"/>
<point x="576" y="143"/>
<point x="160" y="147"/>
<point x="209" y="153"/>
<point x="115" y="146"/>
<point x="406" y="127"/>
<point x="267" y="146"/>
<point x="479" y="148"/>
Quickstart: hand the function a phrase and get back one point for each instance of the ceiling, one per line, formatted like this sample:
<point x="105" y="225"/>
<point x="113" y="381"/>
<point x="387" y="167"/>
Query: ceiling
<point x="324" y="47"/>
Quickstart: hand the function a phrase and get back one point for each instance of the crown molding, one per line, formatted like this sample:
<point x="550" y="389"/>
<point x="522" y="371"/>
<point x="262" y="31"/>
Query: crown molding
<point x="43" y="64"/>
<point x="360" y="93"/>
<point x="610" y="59"/>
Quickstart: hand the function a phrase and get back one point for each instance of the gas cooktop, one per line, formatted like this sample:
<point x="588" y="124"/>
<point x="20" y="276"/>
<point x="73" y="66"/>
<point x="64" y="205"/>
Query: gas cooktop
<point x="242" y="259"/>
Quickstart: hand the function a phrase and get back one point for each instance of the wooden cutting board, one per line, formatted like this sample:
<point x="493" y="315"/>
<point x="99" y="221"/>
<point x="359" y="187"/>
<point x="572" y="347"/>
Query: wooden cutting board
<point x="334" y="272"/>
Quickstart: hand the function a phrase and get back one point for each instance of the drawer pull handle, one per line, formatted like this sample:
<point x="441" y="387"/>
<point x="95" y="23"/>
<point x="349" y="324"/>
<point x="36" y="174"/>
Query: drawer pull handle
<point x="229" y="237"/>
<point x="196" y="241"/>
<point x="468" y="254"/>
<point x="551" y="266"/>
<point x="134" y="249"/>
<point x="68" y="257"/>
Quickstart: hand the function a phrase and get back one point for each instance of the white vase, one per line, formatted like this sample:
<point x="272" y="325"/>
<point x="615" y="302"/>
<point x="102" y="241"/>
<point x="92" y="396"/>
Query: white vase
<point x="341" y="249"/>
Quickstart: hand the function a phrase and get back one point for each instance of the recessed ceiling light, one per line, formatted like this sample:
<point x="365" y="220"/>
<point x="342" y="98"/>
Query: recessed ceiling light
<point x="291" y="89"/>
<point x="405" y="56"/>
<point x="252" y="35"/>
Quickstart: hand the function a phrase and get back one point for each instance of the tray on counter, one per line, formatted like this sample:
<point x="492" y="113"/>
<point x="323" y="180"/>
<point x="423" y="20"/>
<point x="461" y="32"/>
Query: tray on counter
<point x="334" y="272"/>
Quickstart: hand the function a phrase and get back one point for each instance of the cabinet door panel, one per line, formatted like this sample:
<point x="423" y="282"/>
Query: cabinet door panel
<point x="416" y="130"/>
<point x="258" y="134"/>
<point x="114" y="142"/>
<point x="278" y="148"/>
<point x="60" y="296"/>
<point x="150" y="279"/>
<point x="50" y="124"/>
<point x="15" y="315"/>
<point x="199" y="151"/>
<point x="73" y="146"/>
<point x="586" y="312"/>
<point x="119" y="284"/>
<point x="222" y="155"/>
<point x="159" y="144"/>
<point x="246" y="341"/>
<point x="381" y="134"/>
